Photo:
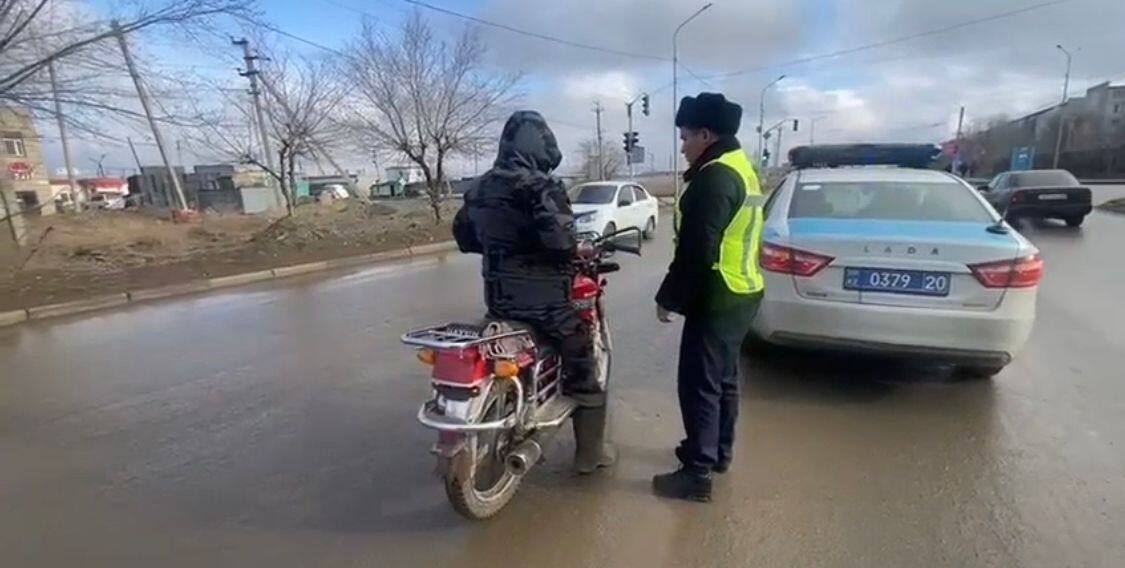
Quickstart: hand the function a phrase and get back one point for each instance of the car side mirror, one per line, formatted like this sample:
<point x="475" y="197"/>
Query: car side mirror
<point x="623" y="203"/>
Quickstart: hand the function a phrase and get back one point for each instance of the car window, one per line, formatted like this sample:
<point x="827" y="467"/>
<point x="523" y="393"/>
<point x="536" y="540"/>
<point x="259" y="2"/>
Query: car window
<point x="639" y="193"/>
<point x="625" y="198"/>
<point x="1045" y="178"/>
<point x="912" y="201"/>
<point x="594" y="193"/>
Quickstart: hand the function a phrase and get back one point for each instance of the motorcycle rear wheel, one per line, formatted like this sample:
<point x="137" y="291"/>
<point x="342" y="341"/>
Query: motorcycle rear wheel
<point x="477" y="481"/>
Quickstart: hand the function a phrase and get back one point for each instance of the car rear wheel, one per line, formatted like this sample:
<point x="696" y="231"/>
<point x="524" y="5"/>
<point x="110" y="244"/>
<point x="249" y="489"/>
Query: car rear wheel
<point x="1074" y="221"/>
<point x="980" y="371"/>
<point x="650" y="229"/>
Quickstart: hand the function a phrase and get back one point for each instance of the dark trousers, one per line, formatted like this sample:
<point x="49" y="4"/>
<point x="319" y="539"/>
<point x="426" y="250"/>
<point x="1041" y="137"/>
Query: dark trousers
<point x="707" y="382"/>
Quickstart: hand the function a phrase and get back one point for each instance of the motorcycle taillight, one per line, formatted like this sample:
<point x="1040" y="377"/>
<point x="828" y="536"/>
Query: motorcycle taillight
<point x="460" y="367"/>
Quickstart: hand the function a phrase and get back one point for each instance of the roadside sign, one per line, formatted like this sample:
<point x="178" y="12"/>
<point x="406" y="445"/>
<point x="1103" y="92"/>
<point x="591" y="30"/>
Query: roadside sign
<point x="637" y="155"/>
<point x="1022" y="158"/>
<point x="19" y="170"/>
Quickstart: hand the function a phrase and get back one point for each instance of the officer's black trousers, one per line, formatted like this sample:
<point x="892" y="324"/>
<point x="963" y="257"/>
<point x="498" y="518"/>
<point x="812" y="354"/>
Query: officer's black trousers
<point x="708" y="384"/>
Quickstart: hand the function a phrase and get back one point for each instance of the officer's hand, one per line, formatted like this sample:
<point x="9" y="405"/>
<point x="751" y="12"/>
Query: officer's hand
<point x="664" y="315"/>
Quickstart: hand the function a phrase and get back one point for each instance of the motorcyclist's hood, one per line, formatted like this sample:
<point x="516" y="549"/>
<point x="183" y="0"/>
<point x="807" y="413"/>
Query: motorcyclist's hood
<point x="528" y="143"/>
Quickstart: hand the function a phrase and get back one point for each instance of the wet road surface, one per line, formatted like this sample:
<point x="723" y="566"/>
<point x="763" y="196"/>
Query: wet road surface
<point x="274" y="426"/>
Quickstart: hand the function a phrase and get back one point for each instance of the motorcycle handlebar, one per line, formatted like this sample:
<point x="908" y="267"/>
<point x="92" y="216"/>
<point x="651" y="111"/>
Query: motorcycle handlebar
<point x="616" y="241"/>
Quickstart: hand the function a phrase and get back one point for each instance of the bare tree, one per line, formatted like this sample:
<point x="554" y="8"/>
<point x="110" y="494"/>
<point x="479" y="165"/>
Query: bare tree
<point x="92" y="84"/>
<point x="303" y="99"/>
<point x="424" y="100"/>
<point x="30" y="39"/>
<point x="612" y="160"/>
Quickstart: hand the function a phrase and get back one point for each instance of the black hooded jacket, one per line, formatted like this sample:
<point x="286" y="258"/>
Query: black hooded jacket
<point x="518" y="217"/>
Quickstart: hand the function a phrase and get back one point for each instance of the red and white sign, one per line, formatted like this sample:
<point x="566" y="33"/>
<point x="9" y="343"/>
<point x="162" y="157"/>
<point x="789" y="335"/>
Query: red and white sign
<point x="20" y="170"/>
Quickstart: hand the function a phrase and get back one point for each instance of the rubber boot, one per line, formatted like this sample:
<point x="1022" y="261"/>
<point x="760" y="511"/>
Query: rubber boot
<point x="591" y="450"/>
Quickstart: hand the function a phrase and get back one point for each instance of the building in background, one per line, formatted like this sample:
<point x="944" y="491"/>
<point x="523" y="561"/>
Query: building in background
<point x="1092" y="142"/>
<point x="405" y="174"/>
<point x="23" y="176"/>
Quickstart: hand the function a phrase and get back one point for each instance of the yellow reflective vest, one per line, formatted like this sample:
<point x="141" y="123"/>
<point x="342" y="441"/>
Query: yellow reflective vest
<point x="738" y="252"/>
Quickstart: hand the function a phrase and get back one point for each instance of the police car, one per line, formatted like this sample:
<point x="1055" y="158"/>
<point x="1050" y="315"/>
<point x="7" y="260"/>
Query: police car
<point x="865" y="250"/>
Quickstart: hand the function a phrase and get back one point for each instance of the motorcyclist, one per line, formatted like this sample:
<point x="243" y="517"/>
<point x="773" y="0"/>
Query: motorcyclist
<point x="518" y="217"/>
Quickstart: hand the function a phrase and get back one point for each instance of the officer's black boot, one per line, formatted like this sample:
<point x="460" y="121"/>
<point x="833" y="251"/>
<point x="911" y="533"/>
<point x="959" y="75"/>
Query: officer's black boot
<point x="591" y="449"/>
<point x="682" y="484"/>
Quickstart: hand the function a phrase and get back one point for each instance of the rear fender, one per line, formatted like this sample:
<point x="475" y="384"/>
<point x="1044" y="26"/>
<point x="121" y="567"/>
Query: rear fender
<point x="449" y="444"/>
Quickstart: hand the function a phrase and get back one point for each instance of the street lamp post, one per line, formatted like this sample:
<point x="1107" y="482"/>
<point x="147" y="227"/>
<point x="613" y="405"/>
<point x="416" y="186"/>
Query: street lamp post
<point x="1062" y="105"/>
<point x="812" y="128"/>
<point x="762" y="114"/>
<point x="676" y="100"/>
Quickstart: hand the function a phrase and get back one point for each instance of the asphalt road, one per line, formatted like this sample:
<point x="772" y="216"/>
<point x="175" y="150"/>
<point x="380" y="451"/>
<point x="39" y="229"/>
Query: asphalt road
<point x="274" y="426"/>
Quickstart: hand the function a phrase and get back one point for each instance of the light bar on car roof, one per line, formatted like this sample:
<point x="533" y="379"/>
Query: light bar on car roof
<point x="836" y="155"/>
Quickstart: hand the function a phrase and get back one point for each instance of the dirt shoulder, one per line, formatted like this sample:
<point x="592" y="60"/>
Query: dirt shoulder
<point x="72" y="257"/>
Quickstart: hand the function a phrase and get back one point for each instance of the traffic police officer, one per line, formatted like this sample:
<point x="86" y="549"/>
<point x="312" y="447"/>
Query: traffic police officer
<point x="715" y="283"/>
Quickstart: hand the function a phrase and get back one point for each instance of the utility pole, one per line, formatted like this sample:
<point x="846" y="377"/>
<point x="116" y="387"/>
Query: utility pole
<point x="601" y="159"/>
<point x="960" y="123"/>
<point x="251" y="73"/>
<point x="62" y="136"/>
<point x="1062" y="105"/>
<point x="676" y="99"/>
<point x="628" y="133"/>
<point x="143" y="95"/>
<point x="762" y="116"/>
<point x="777" y="153"/>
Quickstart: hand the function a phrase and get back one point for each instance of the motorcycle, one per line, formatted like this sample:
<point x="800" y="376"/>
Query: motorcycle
<point x="497" y="390"/>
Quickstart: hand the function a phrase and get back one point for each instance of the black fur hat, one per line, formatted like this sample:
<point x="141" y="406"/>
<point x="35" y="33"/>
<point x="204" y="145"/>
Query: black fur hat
<point x="711" y="111"/>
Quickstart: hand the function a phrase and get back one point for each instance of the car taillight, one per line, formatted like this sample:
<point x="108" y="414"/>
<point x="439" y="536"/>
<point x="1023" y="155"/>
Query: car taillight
<point x="786" y="260"/>
<point x="1017" y="197"/>
<point x="1016" y="273"/>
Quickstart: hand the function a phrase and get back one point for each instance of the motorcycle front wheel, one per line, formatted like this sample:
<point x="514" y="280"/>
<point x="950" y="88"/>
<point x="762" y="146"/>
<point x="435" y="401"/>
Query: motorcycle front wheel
<point x="477" y="481"/>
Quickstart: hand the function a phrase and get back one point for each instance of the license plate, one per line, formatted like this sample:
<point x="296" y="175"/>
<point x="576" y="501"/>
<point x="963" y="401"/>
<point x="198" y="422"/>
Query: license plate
<point x="918" y="282"/>
<point x="1052" y="197"/>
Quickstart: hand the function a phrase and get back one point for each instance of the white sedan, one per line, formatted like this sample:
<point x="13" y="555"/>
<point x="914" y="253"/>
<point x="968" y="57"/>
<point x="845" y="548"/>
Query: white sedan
<point x="607" y="206"/>
<point x="906" y="262"/>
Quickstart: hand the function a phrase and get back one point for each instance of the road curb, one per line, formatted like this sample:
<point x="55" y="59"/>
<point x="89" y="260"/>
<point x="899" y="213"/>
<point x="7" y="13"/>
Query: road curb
<point x="77" y="306"/>
<point x="240" y="279"/>
<point x="294" y="270"/>
<point x="13" y="317"/>
<point x="169" y="291"/>
<point x="433" y="248"/>
<point x="195" y="286"/>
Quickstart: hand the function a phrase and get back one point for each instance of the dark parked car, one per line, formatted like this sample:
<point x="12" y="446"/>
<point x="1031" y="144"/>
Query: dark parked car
<point x="1040" y="194"/>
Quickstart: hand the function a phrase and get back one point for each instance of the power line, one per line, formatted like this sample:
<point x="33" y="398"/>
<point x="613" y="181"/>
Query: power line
<point x="305" y="41"/>
<point x="536" y="35"/>
<point x="897" y="40"/>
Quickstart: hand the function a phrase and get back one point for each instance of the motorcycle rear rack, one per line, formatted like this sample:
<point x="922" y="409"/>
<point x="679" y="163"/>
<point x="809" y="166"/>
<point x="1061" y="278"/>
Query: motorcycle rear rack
<point x="453" y="336"/>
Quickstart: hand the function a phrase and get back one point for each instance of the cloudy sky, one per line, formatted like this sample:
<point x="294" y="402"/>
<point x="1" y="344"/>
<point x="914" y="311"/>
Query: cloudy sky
<point x="907" y="65"/>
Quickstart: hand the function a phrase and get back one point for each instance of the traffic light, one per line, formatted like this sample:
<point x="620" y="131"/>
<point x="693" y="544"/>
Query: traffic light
<point x="644" y="104"/>
<point x="631" y="139"/>
<point x="794" y="125"/>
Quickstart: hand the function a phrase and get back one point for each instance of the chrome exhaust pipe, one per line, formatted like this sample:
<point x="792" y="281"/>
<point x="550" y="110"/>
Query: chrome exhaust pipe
<point x="524" y="457"/>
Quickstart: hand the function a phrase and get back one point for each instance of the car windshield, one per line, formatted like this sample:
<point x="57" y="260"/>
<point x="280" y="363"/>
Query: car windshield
<point x="897" y="201"/>
<point x="1049" y="178"/>
<point x="598" y="193"/>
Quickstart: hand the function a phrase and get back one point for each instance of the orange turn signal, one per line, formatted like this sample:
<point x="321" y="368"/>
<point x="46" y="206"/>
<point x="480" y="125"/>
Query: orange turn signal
<point x="506" y="369"/>
<point x="427" y="356"/>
